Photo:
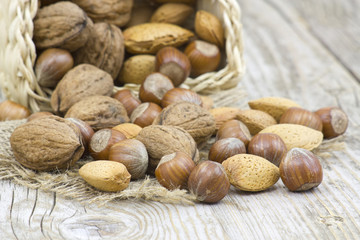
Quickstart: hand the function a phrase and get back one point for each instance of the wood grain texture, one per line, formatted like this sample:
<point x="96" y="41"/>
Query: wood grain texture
<point x="284" y="58"/>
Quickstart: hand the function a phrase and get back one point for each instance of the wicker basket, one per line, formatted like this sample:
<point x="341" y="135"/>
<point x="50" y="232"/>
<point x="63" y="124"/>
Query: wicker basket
<point x="17" y="53"/>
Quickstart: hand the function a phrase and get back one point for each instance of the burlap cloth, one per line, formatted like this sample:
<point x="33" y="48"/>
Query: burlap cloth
<point x="69" y="184"/>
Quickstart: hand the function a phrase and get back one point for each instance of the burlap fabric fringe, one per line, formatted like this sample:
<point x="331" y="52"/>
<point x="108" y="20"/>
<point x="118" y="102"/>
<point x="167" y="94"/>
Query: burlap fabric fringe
<point x="70" y="184"/>
<point x="18" y="53"/>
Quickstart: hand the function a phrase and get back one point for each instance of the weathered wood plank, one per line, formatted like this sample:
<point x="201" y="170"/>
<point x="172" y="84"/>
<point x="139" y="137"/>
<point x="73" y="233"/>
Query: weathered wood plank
<point x="283" y="59"/>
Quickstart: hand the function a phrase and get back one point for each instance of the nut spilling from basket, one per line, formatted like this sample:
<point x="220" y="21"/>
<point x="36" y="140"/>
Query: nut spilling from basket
<point x="158" y="130"/>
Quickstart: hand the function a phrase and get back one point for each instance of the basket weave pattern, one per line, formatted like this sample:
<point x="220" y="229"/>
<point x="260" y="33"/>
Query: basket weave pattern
<point x="18" y="53"/>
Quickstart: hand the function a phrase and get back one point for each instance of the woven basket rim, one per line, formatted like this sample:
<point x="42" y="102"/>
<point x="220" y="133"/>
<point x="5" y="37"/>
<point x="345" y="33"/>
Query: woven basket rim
<point x="18" y="80"/>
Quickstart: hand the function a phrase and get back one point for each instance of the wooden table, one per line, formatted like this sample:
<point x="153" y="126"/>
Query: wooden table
<point x="308" y="51"/>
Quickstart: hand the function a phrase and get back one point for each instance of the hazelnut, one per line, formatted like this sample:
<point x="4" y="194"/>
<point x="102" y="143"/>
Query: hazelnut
<point x="204" y="57"/>
<point x="102" y="141"/>
<point x="269" y="146"/>
<point x="51" y="66"/>
<point x="145" y="114"/>
<point x="180" y="95"/>
<point x="334" y="121"/>
<point x="154" y="87"/>
<point x="128" y="99"/>
<point x="296" y="115"/>
<point x="36" y="115"/>
<point x="234" y="128"/>
<point x="301" y="170"/>
<point x="130" y="130"/>
<point x="85" y="129"/>
<point x="225" y="148"/>
<point x="208" y="182"/>
<point x="174" y="170"/>
<point x="10" y="110"/>
<point x="174" y="64"/>
<point x="132" y="153"/>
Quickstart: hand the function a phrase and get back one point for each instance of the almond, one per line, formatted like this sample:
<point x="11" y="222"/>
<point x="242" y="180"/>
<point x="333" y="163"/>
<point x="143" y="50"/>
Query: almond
<point x="251" y="173"/>
<point x="224" y="114"/>
<point x="275" y="106"/>
<point x="174" y="13"/>
<point x="295" y="135"/>
<point x="209" y="28"/>
<point x="255" y="120"/>
<point x="148" y="38"/>
<point x="136" y="69"/>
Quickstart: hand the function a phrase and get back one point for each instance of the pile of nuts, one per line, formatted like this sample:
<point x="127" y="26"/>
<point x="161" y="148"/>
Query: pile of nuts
<point x="160" y="131"/>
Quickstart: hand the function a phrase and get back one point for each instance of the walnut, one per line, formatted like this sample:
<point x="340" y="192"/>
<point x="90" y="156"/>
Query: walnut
<point x="61" y="25"/>
<point x="104" y="49"/>
<point x="116" y="12"/>
<point x="47" y="143"/>
<point x="163" y="140"/>
<point x="82" y="81"/>
<point x="99" y="112"/>
<point x="197" y="121"/>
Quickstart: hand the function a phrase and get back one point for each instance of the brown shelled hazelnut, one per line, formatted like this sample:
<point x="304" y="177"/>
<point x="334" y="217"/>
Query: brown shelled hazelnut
<point x="225" y="148"/>
<point x="204" y="57"/>
<point x="234" y="128"/>
<point x="154" y="88"/>
<point x="145" y="114"/>
<point x="301" y="170"/>
<point x="174" y="170"/>
<point x="174" y="64"/>
<point x="102" y="141"/>
<point x="180" y="95"/>
<point x="208" y="182"/>
<point x="128" y="99"/>
<point x="269" y="146"/>
<point x="334" y="120"/>
<point x="296" y="115"/>
<point x="86" y="131"/>
<point x="10" y="110"/>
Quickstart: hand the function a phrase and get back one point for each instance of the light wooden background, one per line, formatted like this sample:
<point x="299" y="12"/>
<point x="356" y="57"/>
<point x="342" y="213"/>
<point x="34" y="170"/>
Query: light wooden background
<point x="306" y="50"/>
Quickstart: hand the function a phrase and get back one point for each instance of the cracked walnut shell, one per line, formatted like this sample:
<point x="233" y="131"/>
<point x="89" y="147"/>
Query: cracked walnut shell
<point x="46" y="144"/>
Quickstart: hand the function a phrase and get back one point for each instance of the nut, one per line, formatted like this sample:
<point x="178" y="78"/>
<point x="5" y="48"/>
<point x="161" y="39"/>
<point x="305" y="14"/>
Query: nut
<point x="197" y="121"/>
<point x="86" y="131"/>
<point x="128" y="99"/>
<point x="275" y="106"/>
<point x="203" y="56"/>
<point x="334" y="121"/>
<point x="207" y="102"/>
<point x="102" y="141"/>
<point x="209" y="28"/>
<point x="82" y="81"/>
<point x="236" y="129"/>
<point x="174" y="64"/>
<point x="38" y="115"/>
<point x="10" y="110"/>
<point x="208" y="182"/>
<point x="251" y="173"/>
<point x="145" y="114"/>
<point x="130" y="130"/>
<point x="106" y="176"/>
<point x="132" y="153"/>
<point x="154" y="88"/>
<point x="116" y="12"/>
<point x="224" y="114"/>
<point x="162" y="140"/>
<point x="255" y="120"/>
<point x="61" y="25"/>
<point x="148" y="38"/>
<point x="99" y="112"/>
<point x="46" y="144"/>
<point x="225" y="148"/>
<point x="104" y="49"/>
<point x="140" y="13"/>
<point x="303" y="117"/>
<point x="51" y="66"/>
<point x="174" y="13"/>
<point x="174" y="170"/>
<point x="301" y="170"/>
<point x="269" y="146"/>
<point x="136" y="69"/>
<point x="180" y="95"/>
<point x="295" y="135"/>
